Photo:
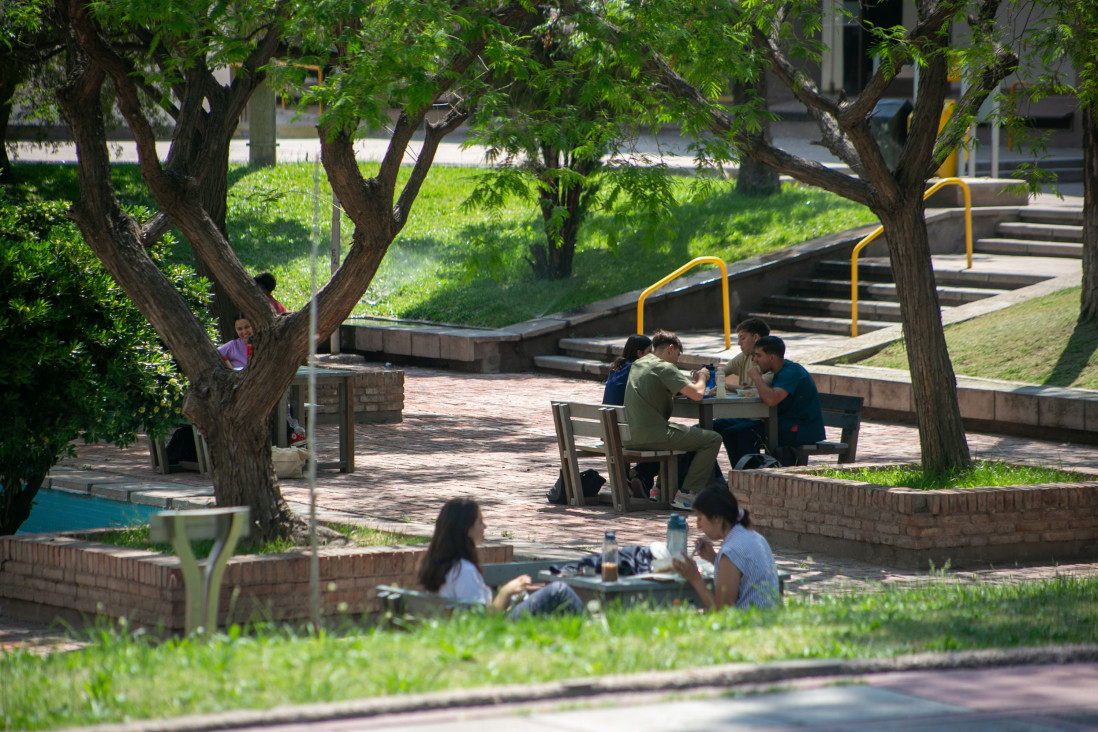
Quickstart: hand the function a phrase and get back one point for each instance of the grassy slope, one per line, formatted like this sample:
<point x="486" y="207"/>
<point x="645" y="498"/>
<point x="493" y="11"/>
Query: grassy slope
<point x="119" y="679"/>
<point x="458" y="266"/>
<point x="1037" y="342"/>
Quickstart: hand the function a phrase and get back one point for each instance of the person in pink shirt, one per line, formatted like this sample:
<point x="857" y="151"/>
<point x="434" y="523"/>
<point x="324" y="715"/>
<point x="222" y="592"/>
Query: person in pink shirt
<point x="267" y="283"/>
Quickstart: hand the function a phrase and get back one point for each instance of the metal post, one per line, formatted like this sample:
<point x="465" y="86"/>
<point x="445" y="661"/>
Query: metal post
<point x="335" y="260"/>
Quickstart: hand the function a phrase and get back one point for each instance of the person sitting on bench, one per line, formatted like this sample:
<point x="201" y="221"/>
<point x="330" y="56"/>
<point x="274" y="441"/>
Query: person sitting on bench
<point x="451" y="568"/>
<point x="800" y="419"/>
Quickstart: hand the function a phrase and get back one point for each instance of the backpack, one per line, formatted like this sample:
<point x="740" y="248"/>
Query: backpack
<point x="756" y="460"/>
<point x="590" y="480"/>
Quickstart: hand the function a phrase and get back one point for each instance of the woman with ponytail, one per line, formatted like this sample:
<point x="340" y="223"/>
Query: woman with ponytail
<point x="746" y="575"/>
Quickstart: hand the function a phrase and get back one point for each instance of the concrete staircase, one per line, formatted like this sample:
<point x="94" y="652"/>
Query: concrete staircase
<point x="821" y="303"/>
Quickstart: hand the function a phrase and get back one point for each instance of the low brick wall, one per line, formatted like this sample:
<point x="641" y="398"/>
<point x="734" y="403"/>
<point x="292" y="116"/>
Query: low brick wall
<point x="49" y="576"/>
<point x="793" y="508"/>
<point x="379" y="395"/>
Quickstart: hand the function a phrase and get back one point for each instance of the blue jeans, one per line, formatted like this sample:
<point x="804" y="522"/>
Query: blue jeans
<point x="556" y="597"/>
<point x="741" y="437"/>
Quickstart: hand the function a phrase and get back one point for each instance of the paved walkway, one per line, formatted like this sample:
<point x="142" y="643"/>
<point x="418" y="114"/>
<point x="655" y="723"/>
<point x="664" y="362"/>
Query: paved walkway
<point x="1031" y="698"/>
<point x="490" y="437"/>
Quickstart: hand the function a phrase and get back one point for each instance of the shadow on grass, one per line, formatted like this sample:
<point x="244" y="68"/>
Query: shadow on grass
<point x="1076" y="354"/>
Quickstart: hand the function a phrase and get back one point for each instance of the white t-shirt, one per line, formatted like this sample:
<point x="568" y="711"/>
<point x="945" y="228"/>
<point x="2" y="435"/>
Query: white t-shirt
<point x="751" y="554"/>
<point x="465" y="583"/>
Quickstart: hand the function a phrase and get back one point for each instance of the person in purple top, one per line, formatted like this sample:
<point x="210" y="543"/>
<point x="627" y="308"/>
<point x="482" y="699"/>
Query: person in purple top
<point x="236" y="350"/>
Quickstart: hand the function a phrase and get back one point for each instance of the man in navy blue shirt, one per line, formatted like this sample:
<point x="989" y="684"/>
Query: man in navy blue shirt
<point x="800" y="420"/>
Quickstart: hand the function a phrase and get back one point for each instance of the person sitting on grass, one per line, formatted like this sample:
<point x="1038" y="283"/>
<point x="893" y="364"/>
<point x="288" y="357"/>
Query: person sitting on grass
<point x="746" y="575"/>
<point x="451" y="568"/>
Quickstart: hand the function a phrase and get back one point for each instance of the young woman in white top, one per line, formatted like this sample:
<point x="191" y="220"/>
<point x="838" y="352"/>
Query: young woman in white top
<point x="746" y="575"/>
<point x="451" y="568"/>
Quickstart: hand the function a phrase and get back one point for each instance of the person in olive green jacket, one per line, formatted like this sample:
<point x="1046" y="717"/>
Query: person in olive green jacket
<point x="654" y="381"/>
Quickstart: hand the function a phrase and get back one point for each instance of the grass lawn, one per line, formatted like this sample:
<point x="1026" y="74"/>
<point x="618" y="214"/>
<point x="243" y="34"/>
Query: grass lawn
<point x="1036" y="342"/>
<point x="138" y="537"/>
<point x="456" y="266"/>
<point x="982" y="474"/>
<point x="120" y="678"/>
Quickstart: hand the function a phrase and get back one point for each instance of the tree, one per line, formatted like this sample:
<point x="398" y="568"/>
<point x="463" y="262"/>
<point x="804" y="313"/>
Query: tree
<point x="80" y="358"/>
<point x="556" y="132"/>
<point x="383" y="55"/>
<point x="895" y="195"/>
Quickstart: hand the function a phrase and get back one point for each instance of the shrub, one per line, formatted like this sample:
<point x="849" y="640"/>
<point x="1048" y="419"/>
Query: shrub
<point x="80" y="359"/>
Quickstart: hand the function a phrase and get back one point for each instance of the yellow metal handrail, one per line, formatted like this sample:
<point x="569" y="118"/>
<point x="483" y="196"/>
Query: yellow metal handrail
<point x="877" y="232"/>
<point x="690" y="265"/>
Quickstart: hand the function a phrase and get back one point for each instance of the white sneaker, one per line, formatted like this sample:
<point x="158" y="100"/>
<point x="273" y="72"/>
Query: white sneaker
<point x="683" y="500"/>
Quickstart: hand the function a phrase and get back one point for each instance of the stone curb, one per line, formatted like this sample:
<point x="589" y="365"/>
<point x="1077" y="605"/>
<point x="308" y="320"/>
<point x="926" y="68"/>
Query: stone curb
<point x="589" y="688"/>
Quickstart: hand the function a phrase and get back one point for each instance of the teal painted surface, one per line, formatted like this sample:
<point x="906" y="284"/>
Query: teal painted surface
<point x="59" y="511"/>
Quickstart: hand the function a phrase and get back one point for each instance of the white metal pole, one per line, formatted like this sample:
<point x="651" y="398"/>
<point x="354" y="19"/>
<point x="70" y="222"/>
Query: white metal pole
<point x="314" y="558"/>
<point x="335" y="260"/>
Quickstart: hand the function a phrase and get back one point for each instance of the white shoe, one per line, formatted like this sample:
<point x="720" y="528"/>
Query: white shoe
<point x="683" y="500"/>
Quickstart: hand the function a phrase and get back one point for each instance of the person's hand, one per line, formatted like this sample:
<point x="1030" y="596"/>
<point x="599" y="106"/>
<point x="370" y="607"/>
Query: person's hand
<point x="516" y="586"/>
<point x="686" y="568"/>
<point x="753" y="372"/>
<point x="705" y="550"/>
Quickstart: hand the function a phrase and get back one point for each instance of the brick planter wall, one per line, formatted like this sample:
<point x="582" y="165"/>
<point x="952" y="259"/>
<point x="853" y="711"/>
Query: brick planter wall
<point x="48" y="576"/>
<point x="378" y="395"/>
<point x="910" y="528"/>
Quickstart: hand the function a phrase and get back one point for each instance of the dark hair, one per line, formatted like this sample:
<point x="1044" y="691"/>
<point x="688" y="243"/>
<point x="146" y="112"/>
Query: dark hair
<point x="717" y="501"/>
<point x="242" y="316"/>
<point x="665" y="338"/>
<point x="755" y="326"/>
<point x="266" y="280"/>
<point x="450" y="542"/>
<point x="772" y="345"/>
<point x="633" y="346"/>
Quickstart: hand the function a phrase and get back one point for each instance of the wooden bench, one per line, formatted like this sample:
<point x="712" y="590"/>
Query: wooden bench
<point x="404" y="601"/>
<point x="844" y="412"/>
<point x="600" y="430"/>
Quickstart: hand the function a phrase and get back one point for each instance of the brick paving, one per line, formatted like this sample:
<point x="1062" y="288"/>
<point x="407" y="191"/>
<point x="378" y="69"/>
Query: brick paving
<point x="490" y="437"/>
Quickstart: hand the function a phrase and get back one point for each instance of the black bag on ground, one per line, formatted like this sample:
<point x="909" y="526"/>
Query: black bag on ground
<point x="756" y="461"/>
<point x="591" y="481"/>
<point x="181" y="446"/>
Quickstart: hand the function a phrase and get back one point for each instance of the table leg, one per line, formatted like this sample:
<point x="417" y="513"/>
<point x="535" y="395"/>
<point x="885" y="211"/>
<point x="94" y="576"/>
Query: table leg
<point x="772" y="430"/>
<point x="347" y="429"/>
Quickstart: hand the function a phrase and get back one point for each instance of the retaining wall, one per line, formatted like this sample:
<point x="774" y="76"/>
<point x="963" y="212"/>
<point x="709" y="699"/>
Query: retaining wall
<point x="378" y="395"/>
<point x="44" y="577"/>
<point x="1055" y="522"/>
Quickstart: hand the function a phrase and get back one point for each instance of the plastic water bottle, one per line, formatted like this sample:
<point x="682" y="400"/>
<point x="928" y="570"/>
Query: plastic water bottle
<point x="610" y="557"/>
<point x="722" y="388"/>
<point x="676" y="535"/>
<point x="711" y="382"/>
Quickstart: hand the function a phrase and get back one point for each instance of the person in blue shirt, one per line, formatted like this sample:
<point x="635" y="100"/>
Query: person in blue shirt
<point x="800" y="419"/>
<point x="635" y="347"/>
<point x="642" y="477"/>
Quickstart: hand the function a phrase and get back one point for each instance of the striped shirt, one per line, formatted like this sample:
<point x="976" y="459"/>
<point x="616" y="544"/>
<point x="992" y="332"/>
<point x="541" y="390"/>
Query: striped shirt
<point x="751" y="554"/>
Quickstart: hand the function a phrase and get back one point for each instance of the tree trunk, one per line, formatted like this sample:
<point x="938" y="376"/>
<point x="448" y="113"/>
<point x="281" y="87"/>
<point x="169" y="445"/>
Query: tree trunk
<point x="17" y="502"/>
<point x="1088" y="305"/>
<point x="214" y="196"/>
<point x="933" y="384"/>
<point x="11" y="72"/>
<point x="756" y="178"/>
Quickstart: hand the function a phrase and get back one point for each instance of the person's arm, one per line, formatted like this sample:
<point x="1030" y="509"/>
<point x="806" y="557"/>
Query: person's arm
<point x="770" y="395"/>
<point x="726" y="588"/>
<point x="509" y="590"/>
<point x="696" y="390"/>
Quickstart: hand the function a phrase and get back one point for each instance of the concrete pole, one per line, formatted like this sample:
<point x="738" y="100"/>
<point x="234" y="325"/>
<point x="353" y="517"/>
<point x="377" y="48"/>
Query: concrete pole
<point x="261" y="127"/>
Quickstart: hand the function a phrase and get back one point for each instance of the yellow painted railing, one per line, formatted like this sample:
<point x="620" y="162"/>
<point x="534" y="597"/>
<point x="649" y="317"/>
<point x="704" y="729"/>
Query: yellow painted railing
<point x="688" y="266"/>
<point x="877" y="232"/>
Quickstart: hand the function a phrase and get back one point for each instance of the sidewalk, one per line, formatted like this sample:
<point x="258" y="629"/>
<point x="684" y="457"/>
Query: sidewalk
<point x="490" y="437"/>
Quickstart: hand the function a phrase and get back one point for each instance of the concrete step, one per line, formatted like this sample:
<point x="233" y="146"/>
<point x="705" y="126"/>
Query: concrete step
<point x="806" y="287"/>
<point x="1052" y="215"/>
<point x="1026" y="248"/>
<point x="804" y="323"/>
<point x="1040" y="231"/>
<point x="581" y="368"/>
<point x="867" y="271"/>
<point x="829" y="307"/>
<point x="581" y="348"/>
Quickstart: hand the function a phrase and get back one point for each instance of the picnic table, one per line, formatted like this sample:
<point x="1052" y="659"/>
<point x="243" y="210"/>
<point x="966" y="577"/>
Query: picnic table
<point x="730" y="407"/>
<point x="296" y="395"/>
<point x="657" y="589"/>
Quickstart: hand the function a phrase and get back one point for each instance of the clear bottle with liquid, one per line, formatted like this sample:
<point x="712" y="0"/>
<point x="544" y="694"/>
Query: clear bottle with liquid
<point x="722" y="388"/>
<point x="610" y="557"/>
<point x="676" y="535"/>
